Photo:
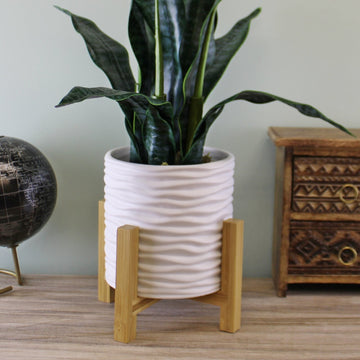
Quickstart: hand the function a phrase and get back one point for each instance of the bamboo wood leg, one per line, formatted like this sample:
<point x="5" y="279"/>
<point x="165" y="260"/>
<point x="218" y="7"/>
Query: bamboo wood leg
<point x="231" y="275"/>
<point x="229" y="296"/>
<point x="105" y="291"/>
<point x="126" y="283"/>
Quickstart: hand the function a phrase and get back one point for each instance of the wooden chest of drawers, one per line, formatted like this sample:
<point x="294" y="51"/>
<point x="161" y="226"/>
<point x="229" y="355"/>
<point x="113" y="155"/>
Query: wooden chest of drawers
<point x="317" y="207"/>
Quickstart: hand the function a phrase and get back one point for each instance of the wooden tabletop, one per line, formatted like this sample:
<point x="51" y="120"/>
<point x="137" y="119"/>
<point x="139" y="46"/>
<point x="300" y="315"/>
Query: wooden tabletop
<point x="329" y="137"/>
<point x="59" y="317"/>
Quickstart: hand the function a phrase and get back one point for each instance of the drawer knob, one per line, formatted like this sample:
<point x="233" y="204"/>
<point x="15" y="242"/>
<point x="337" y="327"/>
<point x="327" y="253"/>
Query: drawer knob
<point x="342" y="194"/>
<point x="347" y="255"/>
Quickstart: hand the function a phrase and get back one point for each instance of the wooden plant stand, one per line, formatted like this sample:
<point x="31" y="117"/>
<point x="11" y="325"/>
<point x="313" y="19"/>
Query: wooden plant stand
<point x="128" y="304"/>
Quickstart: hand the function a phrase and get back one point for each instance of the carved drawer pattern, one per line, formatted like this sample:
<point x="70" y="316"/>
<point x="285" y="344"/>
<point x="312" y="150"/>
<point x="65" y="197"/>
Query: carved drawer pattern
<point x="326" y="185"/>
<point x="324" y="248"/>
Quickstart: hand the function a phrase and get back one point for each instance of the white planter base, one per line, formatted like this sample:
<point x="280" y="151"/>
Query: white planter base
<point x="179" y="210"/>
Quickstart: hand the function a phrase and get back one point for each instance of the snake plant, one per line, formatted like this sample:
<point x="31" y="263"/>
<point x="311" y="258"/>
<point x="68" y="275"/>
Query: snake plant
<point x="180" y="62"/>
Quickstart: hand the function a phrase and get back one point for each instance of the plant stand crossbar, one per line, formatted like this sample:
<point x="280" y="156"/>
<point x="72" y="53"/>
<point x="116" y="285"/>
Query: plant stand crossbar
<point x="128" y="304"/>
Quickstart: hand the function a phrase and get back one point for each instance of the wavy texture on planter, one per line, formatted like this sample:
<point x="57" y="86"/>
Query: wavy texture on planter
<point x="180" y="210"/>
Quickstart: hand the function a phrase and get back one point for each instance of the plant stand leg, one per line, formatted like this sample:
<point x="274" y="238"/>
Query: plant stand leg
<point x="127" y="303"/>
<point x="105" y="291"/>
<point x="231" y="275"/>
<point x="229" y="296"/>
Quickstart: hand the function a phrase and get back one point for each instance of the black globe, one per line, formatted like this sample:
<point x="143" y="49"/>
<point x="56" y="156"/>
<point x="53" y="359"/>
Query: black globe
<point x="27" y="191"/>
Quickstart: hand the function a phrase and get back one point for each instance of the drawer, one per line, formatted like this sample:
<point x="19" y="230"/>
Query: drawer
<point x="326" y="185"/>
<point x="324" y="248"/>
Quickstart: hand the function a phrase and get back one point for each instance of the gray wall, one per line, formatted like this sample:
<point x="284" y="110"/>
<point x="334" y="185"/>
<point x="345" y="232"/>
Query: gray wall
<point x="304" y="50"/>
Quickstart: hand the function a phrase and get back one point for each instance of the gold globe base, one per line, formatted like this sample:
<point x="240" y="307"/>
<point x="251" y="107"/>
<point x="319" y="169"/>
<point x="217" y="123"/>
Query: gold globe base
<point x="16" y="273"/>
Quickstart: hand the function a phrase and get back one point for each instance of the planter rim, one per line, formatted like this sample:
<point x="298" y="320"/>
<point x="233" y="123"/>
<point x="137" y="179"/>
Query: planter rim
<point x="123" y="153"/>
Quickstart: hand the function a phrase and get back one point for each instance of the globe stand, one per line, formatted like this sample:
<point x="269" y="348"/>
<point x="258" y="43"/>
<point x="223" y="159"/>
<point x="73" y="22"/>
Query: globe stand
<point x="5" y="289"/>
<point x="16" y="273"/>
<point x="127" y="302"/>
<point x="27" y="192"/>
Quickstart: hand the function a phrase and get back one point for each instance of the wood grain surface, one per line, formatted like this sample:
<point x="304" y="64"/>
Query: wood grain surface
<point x="59" y="317"/>
<point x="329" y="137"/>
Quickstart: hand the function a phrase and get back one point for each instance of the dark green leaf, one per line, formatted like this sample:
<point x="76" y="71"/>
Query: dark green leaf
<point x="158" y="139"/>
<point x="197" y="11"/>
<point x="143" y="44"/>
<point x="147" y="9"/>
<point x="195" y="153"/>
<point x="172" y="14"/>
<point x="139" y="102"/>
<point x="192" y="70"/>
<point x="256" y="97"/>
<point x="107" y="54"/>
<point x="149" y="129"/>
<point x="226" y="48"/>
<point x="137" y="151"/>
<point x="259" y="97"/>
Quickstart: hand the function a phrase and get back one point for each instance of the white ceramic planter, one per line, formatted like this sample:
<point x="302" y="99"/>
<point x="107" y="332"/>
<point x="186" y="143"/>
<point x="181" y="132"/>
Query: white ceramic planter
<point x="180" y="210"/>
